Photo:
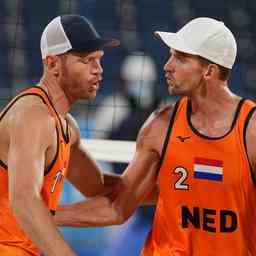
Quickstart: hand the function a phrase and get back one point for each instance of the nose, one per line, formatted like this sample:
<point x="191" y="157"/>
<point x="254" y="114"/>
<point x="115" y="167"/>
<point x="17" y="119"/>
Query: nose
<point x="169" y="65"/>
<point x="98" y="68"/>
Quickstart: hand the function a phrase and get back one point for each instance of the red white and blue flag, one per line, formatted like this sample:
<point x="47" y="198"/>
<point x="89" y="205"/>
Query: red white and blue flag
<point x="208" y="169"/>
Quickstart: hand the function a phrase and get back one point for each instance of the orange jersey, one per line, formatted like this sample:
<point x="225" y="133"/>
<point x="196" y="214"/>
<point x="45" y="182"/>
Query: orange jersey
<point x="207" y="200"/>
<point x="13" y="240"/>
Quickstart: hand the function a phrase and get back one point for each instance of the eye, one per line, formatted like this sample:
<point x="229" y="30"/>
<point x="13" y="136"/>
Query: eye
<point x="180" y="59"/>
<point x="85" y="61"/>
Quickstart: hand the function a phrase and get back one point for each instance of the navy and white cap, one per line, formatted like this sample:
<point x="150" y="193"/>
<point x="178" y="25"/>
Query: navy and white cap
<point x="72" y="32"/>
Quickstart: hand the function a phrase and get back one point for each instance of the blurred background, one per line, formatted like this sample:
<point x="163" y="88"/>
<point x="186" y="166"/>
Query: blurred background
<point x="133" y="84"/>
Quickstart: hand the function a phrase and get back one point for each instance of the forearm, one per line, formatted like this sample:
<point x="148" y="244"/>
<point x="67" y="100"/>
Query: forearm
<point x="95" y="212"/>
<point x="84" y="173"/>
<point x="38" y="224"/>
<point x="95" y="184"/>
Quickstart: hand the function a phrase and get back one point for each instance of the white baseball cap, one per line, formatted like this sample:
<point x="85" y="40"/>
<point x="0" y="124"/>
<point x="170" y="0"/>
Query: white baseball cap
<point x="205" y="37"/>
<point x="72" y="32"/>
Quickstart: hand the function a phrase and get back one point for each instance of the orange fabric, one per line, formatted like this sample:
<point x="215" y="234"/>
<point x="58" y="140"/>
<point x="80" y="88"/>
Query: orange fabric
<point x="203" y="216"/>
<point x="13" y="241"/>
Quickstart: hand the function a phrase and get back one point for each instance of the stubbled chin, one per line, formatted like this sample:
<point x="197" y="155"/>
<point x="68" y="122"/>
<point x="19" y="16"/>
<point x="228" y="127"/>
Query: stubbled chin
<point x="92" y="95"/>
<point x="170" y="90"/>
<point x="88" y="96"/>
<point x="173" y="91"/>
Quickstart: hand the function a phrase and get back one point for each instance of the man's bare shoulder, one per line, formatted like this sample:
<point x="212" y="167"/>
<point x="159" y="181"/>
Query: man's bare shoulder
<point x="30" y="114"/>
<point x="251" y="129"/>
<point x="250" y="140"/>
<point x="29" y="104"/>
<point x="153" y="131"/>
<point x="163" y="113"/>
<point x="159" y="118"/>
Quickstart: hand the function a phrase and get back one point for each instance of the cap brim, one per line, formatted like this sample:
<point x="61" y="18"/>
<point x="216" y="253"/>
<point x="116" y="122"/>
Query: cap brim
<point x="173" y="41"/>
<point x="110" y="43"/>
<point x="96" y="44"/>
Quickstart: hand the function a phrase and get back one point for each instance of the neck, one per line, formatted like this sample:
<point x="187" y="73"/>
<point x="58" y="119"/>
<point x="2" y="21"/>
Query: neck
<point x="56" y="95"/>
<point x="213" y="100"/>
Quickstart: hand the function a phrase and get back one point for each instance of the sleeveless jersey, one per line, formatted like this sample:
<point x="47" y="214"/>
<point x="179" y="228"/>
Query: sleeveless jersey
<point x="13" y="240"/>
<point x="207" y="200"/>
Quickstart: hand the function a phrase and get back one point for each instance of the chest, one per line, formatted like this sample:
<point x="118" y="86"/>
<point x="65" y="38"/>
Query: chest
<point x="194" y="163"/>
<point x="210" y="127"/>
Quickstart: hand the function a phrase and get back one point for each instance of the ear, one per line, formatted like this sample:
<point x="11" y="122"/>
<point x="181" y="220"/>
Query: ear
<point x="210" y="71"/>
<point x="53" y="64"/>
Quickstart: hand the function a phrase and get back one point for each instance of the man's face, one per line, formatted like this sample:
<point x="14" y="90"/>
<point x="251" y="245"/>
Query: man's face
<point x="184" y="73"/>
<point x="81" y="74"/>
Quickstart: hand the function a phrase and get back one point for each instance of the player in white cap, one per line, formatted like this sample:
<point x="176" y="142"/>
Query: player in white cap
<point x="200" y="154"/>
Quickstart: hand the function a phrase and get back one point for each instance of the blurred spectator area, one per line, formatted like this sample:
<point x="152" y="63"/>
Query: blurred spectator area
<point x="132" y="21"/>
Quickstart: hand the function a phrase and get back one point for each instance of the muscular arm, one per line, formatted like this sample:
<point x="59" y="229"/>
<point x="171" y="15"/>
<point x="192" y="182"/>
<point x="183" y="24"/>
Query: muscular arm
<point x="250" y="143"/>
<point x="29" y="140"/>
<point x="83" y="171"/>
<point x="102" y="211"/>
<point x="138" y="181"/>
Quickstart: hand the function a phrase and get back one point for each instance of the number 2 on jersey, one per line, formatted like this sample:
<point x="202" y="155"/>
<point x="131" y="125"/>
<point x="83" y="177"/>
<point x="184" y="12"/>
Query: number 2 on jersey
<point x="183" y="174"/>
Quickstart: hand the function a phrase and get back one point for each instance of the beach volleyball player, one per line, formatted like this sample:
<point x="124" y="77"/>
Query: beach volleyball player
<point x="40" y="141"/>
<point x="200" y="153"/>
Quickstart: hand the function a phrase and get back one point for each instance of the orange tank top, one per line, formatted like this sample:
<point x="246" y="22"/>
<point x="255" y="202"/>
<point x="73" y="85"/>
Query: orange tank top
<point x="207" y="201"/>
<point x="13" y="240"/>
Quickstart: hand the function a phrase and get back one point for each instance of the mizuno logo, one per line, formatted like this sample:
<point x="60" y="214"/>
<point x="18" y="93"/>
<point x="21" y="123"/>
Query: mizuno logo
<point x="182" y="139"/>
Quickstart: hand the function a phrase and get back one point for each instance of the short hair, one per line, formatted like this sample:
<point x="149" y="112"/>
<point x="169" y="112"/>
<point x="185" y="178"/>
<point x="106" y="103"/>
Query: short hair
<point x="224" y="72"/>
